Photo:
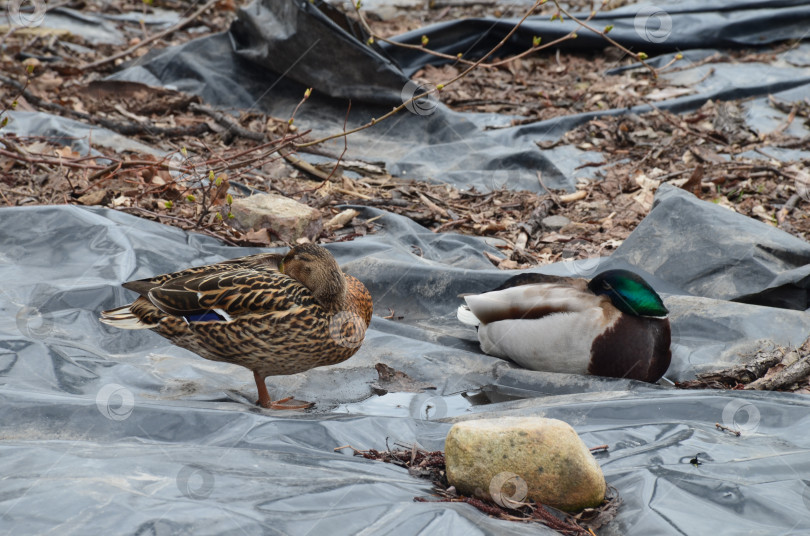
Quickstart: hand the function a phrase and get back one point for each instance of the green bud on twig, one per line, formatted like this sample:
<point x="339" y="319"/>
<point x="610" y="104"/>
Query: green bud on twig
<point x="679" y="56"/>
<point x="608" y="28"/>
<point x="536" y="41"/>
<point x="440" y="87"/>
<point x="168" y="205"/>
<point x="424" y="40"/>
<point x="308" y="92"/>
<point x="642" y="56"/>
<point x="190" y="198"/>
<point x="229" y="199"/>
<point x="370" y="41"/>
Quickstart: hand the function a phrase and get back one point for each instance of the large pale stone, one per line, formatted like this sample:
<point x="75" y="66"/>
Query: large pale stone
<point x="512" y="459"/>
<point x="285" y="218"/>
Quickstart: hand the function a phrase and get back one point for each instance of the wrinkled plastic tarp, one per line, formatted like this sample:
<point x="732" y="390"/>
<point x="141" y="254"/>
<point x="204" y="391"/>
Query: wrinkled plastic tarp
<point x="121" y="432"/>
<point x="435" y="143"/>
<point x="117" y="431"/>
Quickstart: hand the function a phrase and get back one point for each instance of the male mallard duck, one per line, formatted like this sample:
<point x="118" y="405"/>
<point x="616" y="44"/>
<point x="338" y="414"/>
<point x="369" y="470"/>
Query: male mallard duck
<point x="274" y="315"/>
<point x="615" y="325"/>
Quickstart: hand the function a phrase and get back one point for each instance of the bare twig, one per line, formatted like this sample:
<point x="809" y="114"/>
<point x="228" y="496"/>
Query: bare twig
<point x="180" y="25"/>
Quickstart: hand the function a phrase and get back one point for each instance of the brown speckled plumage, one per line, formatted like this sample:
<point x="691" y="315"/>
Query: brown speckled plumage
<point x="279" y="315"/>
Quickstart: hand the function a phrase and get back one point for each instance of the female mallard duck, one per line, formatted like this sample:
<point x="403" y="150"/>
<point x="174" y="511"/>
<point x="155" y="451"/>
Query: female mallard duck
<point x="274" y="315"/>
<point x="615" y="325"/>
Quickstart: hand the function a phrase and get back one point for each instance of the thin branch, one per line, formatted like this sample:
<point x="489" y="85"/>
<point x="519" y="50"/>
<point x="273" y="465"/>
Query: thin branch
<point x="180" y="25"/>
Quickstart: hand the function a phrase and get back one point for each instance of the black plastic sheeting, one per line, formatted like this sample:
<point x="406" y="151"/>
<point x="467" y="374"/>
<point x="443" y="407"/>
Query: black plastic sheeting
<point x="246" y="68"/>
<point x="118" y="432"/>
<point x="121" y="432"/>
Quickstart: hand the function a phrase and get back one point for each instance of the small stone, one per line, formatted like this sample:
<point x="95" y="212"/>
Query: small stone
<point x="512" y="459"/>
<point x="285" y="218"/>
<point x="555" y="223"/>
<point x="95" y="197"/>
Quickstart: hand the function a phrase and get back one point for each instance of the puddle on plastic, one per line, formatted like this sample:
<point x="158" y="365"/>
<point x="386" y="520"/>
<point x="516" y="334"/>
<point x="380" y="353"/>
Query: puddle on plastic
<point x="425" y="406"/>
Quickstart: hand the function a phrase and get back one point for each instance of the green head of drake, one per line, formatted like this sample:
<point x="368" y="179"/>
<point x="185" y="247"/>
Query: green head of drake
<point x="629" y="293"/>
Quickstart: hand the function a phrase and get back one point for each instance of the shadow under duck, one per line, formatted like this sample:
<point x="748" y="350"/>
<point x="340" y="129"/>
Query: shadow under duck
<point x="616" y="325"/>
<point x="273" y="314"/>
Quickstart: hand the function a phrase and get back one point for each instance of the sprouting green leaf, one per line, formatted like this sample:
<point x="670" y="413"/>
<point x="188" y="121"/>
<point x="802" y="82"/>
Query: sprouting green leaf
<point x="168" y="204"/>
<point x="642" y="56"/>
<point x="536" y="41"/>
<point x="190" y="198"/>
<point x="229" y="199"/>
<point x="424" y="40"/>
<point x="608" y="28"/>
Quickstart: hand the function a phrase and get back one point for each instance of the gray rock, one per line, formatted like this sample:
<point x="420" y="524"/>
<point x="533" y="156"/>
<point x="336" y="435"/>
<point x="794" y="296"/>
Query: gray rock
<point x="285" y="218"/>
<point x="555" y="223"/>
<point x="512" y="459"/>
